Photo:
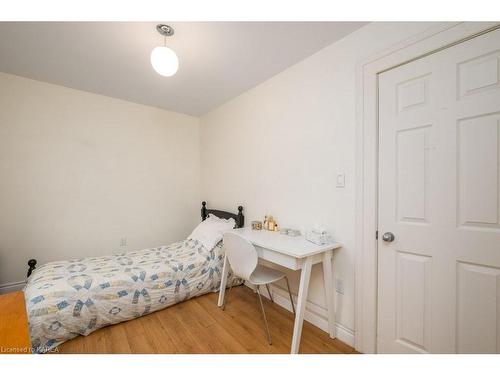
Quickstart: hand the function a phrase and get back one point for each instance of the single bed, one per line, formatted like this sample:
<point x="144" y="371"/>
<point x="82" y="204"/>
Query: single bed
<point x="68" y="298"/>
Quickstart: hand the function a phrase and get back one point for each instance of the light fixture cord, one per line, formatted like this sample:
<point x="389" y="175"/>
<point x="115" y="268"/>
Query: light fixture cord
<point x="164" y="41"/>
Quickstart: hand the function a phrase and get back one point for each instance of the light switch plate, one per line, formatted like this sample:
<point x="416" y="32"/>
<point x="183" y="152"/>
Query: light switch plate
<point x="340" y="180"/>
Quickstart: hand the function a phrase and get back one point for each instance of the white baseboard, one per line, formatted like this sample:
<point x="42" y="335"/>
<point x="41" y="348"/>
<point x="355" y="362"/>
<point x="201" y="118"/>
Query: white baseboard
<point x="314" y="314"/>
<point x="12" y="287"/>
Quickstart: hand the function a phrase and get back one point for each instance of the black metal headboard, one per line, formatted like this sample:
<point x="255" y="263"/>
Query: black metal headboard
<point x="239" y="218"/>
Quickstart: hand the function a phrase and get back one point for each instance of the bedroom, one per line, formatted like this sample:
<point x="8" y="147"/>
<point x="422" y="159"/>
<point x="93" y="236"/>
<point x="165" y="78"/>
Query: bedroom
<point x="105" y="160"/>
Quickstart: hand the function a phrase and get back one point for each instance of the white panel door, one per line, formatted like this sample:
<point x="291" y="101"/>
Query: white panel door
<point x="439" y="195"/>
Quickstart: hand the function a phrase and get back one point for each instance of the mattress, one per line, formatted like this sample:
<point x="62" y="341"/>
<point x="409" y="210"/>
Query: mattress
<point x="76" y="297"/>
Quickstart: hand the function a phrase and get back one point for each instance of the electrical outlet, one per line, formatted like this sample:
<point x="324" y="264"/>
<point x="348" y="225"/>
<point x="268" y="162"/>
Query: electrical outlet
<point x="340" y="183"/>
<point x="339" y="286"/>
<point x="123" y="241"/>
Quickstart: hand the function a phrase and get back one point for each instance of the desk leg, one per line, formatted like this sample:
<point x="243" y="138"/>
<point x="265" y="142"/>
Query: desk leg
<point x="329" y="291"/>
<point x="301" y="304"/>
<point x="223" y="282"/>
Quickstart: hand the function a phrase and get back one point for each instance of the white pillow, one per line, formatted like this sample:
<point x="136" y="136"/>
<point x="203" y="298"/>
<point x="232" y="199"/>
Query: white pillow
<point x="228" y="221"/>
<point x="210" y="231"/>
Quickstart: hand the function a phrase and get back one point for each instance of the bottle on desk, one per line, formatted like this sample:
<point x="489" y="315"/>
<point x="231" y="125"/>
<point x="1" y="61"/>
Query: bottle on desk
<point x="274" y="226"/>
<point x="270" y="224"/>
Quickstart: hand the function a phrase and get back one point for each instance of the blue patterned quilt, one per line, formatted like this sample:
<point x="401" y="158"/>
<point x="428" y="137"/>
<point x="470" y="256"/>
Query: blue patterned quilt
<point x="75" y="297"/>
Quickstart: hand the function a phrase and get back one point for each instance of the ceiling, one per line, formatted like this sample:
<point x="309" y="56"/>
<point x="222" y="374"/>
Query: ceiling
<point x="218" y="60"/>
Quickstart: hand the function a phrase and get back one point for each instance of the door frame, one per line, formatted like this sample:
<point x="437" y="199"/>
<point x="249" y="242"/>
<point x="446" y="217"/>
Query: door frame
<point x="432" y="40"/>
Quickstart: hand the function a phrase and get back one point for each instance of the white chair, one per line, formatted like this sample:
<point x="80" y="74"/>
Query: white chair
<point x="243" y="259"/>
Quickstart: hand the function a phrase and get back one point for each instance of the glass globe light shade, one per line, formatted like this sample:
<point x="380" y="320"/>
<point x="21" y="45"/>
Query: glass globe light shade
<point x="165" y="62"/>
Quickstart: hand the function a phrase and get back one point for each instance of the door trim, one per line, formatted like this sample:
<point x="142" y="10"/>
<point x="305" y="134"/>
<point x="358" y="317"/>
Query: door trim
<point x="430" y="41"/>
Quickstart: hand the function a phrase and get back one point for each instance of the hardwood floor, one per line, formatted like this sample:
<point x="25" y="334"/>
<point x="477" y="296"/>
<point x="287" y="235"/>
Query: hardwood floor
<point x="14" y="334"/>
<point x="199" y="326"/>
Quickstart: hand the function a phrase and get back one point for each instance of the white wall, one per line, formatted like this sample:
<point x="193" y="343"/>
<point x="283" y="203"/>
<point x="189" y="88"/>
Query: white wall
<point x="78" y="171"/>
<point x="278" y="147"/>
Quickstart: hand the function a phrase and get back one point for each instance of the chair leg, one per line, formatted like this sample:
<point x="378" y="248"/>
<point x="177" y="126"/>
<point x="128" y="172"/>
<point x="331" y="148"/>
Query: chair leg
<point x="290" y="294"/>
<point x="269" y="292"/>
<point x="264" y="315"/>
<point x="227" y="295"/>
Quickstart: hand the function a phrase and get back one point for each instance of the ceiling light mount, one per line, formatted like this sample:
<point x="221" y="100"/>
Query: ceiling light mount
<point x="165" y="30"/>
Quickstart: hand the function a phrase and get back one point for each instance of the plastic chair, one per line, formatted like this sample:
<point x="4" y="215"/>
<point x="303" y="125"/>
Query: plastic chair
<point x="243" y="259"/>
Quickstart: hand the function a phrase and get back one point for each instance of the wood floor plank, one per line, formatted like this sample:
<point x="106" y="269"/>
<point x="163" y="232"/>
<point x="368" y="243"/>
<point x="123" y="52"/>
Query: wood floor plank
<point x="99" y="344"/>
<point x="199" y="326"/>
<point x="137" y="337"/>
<point x="160" y="339"/>
<point x="206" y="336"/>
<point x="247" y="310"/>
<point x="231" y="322"/>
<point x="225" y="341"/>
<point x="185" y="340"/>
<point x="117" y="339"/>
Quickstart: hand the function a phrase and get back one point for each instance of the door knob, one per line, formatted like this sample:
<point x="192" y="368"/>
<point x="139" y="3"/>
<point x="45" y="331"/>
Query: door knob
<point x="388" y="237"/>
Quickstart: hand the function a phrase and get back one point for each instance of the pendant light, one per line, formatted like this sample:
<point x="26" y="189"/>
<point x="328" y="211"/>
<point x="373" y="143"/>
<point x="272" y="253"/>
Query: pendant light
<point x="164" y="61"/>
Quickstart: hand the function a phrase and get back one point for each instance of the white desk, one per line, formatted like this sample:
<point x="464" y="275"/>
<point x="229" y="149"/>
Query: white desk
<point x="295" y="253"/>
